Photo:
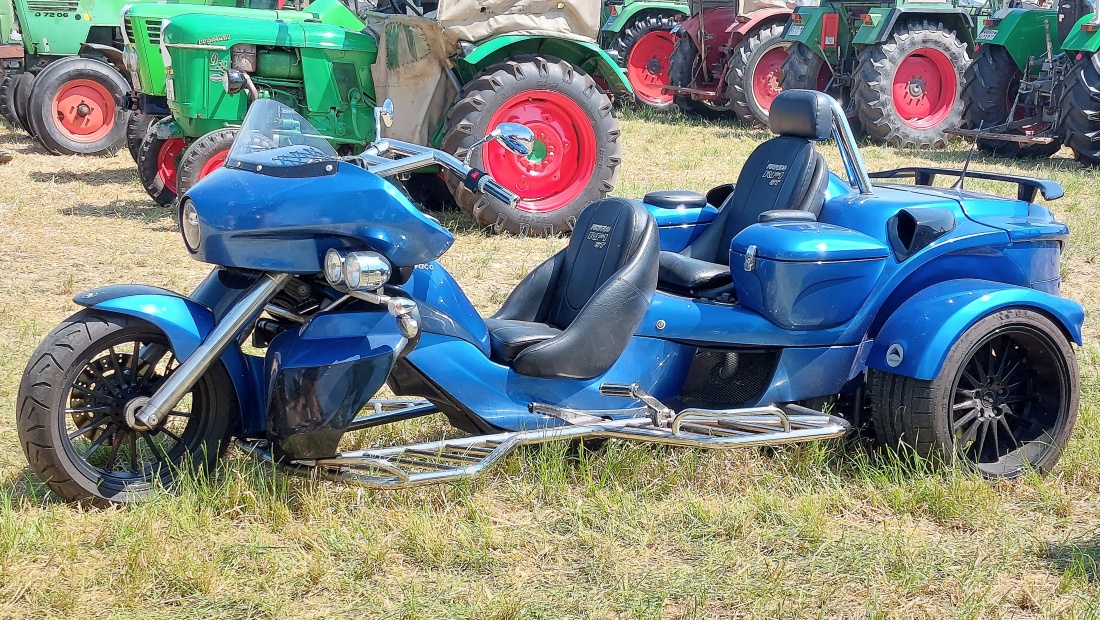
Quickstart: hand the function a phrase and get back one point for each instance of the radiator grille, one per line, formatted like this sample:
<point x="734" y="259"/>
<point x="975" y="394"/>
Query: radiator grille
<point x="53" y="6"/>
<point x="129" y="26"/>
<point x="729" y="377"/>
<point x="152" y="30"/>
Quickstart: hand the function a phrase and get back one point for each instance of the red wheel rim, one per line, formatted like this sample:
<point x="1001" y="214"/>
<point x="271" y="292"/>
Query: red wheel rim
<point x="647" y="67"/>
<point x="924" y="88"/>
<point x="824" y="74"/>
<point x="767" y="75"/>
<point x="562" y="160"/>
<point x="212" y="164"/>
<point x="167" y="159"/>
<point x="84" y="110"/>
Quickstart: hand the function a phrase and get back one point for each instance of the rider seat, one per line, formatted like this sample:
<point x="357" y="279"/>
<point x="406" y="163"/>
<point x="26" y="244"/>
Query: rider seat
<point x="785" y="178"/>
<point x="573" y="316"/>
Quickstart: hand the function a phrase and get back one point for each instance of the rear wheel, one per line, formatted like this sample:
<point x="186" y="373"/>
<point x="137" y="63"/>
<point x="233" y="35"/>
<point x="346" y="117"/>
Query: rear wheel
<point x="644" y="49"/>
<point x="576" y="154"/>
<point x="74" y="107"/>
<point x="78" y="397"/>
<point x="202" y="157"/>
<point x="158" y="161"/>
<point x="804" y="69"/>
<point x="682" y="69"/>
<point x="1080" y="105"/>
<point x="992" y="82"/>
<point x="1005" y="401"/>
<point x="908" y="90"/>
<point x="755" y="73"/>
<point x="7" y="99"/>
<point x="21" y="94"/>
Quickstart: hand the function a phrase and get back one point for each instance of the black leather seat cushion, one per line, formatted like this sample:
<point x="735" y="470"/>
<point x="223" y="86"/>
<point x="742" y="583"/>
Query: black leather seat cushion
<point x="509" y="338"/>
<point x="691" y="276"/>
<point x="676" y="199"/>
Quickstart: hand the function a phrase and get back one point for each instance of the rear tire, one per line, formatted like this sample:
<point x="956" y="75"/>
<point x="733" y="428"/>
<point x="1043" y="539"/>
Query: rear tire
<point x="1080" y="105"/>
<point x="74" y="107"/>
<point x="1000" y="419"/>
<point x="644" y="50"/>
<point x="7" y="100"/>
<point x="21" y="94"/>
<point x="202" y="157"/>
<point x="681" y="72"/>
<point x="803" y="69"/>
<point x="992" y="81"/>
<point x="577" y="150"/>
<point x="158" y="164"/>
<point x="908" y="90"/>
<point x="755" y="73"/>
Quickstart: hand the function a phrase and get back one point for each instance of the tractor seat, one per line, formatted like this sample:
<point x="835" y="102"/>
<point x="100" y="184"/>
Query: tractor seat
<point x="783" y="178"/>
<point x="573" y="316"/>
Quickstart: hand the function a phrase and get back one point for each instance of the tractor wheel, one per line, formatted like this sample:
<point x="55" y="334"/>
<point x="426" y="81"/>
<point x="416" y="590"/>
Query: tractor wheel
<point x="202" y="157"/>
<point x="754" y="74"/>
<point x="644" y="49"/>
<point x="136" y="127"/>
<point x="1080" y="105"/>
<point x="576" y="155"/>
<point x="7" y="99"/>
<point x="74" y="107"/>
<point x="682" y="68"/>
<point x="803" y="69"/>
<point x="992" y="81"/>
<point x="1004" y="403"/>
<point x="158" y="161"/>
<point x="908" y="90"/>
<point x="21" y="94"/>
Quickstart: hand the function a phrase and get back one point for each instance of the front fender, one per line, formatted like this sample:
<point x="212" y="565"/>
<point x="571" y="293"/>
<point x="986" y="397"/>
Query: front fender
<point x="754" y="20"/>
<point x="582" y="54"/>
<point x="929" y="323"/>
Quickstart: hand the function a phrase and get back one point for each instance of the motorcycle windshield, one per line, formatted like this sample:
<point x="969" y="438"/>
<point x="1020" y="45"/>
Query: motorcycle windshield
<point x="276" y="141"/>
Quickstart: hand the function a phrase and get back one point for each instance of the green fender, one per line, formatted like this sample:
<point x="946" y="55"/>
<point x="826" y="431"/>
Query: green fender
<point x="617" y="23"/>
<point x="1023" y="33"/>
<point x="883" y="21"/>
<point x="582" y="54"/>
<point x="809" y="31"/>
<point x="1081" y="41"/>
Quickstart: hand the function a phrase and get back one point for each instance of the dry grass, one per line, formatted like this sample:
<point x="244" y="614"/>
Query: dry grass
<point x="818" y="531"/>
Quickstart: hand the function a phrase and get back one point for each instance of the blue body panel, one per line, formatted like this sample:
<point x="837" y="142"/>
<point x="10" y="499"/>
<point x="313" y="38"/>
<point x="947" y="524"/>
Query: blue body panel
<point x="444" y="308"/>
<point x="679" y="227"/>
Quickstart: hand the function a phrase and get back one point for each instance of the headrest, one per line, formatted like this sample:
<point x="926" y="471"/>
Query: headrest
<point x="801" y="113"/>
<point x="611" y="222"/>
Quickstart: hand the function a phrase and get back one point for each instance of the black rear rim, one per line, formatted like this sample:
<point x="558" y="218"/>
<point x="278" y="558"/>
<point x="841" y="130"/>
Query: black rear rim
<point x="108" y="386"/>
<point x="1011" y="401"/>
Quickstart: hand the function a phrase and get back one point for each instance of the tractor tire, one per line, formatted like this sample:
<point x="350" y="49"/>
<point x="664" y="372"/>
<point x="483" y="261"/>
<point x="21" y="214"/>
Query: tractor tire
<point x="908" y="90"/>
<point x="681" y="72"/>
<point x="577" y="149"/>
<point x="202" y="157"/>
<point x="803" y="69"/>
<point x="74" y="107"/>
<point x="977" y="401"/>
<point x="21" y="94"/>
<point x="7" y="99"/>
<point x="754" y="74"/>
<point x="644" y="49"/>
<point x="992" y="81"/>
<point x="1080" y="105"/>
<point x="136" y="127"/>
<point x="158" y="162"/>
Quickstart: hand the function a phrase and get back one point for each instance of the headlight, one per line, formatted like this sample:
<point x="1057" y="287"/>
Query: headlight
<point x="334" y="267"/>
<point x="129" y="58"/>
<point x="365" y="271"/>
<point x="189" y="224"/>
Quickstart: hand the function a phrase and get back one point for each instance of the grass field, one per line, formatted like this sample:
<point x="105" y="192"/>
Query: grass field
<point x="838" y="530"/>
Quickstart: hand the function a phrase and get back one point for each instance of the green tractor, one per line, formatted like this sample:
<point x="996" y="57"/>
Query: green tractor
<point x="897" y="66"/>
<point x="64" y="75"/>
<point x="637" y="34"/>
<point x="468" y="66"/>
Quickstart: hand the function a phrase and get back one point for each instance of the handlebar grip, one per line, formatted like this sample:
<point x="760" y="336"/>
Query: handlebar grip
<point x="498" y="191"/>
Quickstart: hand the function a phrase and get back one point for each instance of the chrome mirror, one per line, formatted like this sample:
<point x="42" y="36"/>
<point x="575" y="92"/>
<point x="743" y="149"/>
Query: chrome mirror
<point x="515" y="137"/>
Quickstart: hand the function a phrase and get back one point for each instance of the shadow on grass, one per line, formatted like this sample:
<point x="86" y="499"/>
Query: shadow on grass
<point x="144" y="210"/>
<point x="1076" y="560"/>
<point x="25" y="488"/>
<point x="118" y="176"/>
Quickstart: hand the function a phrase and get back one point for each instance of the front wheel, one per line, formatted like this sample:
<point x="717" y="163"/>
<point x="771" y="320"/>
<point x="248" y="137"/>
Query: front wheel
<point x="202" y="157"/>
<point x="77" y="402"/>
<point x="136" y="127"/>
<point x="158" y="161"/>
<point x="1005" y="401"/>
<point x="576" y="154"/>
<point x="755" y="73"/>
<point x="74" y="108"/>
<point x="7" y="99"/>
<point x="21" y="95"/>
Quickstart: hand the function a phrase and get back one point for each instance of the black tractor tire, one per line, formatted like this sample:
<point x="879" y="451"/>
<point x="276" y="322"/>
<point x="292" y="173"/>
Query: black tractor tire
<point x="805" y="70"/>
<point x="874" y="78"/>
<point x="977" y="384"/>
<point x="7" y="100"/>
<point x="151" y="155"/>
<point x="99" y="87"/>
<point x="1080" y="105"/>
<point x="623" y="44"/>
<point x="992" y="81"/>
<point x="430" y="192"/>
<point x="137" y="125"/>
<point x="741" y="71"/>
<point x="682" y="67"/>
<point x="21" y="94"/>
<point x="536" y="82"/>
<point x="201" y="157"/>
<point x="70" y="380"/>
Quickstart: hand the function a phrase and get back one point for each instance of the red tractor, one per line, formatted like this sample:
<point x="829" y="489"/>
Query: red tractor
<point x="729" y="58"/>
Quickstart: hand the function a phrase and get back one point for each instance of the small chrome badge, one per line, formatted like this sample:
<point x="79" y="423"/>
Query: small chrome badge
<point x="750" y="258"/>
<point x="89" y="295"/>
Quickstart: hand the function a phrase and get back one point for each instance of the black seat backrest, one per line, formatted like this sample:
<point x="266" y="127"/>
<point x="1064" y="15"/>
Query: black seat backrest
<point x="784" y="173"/>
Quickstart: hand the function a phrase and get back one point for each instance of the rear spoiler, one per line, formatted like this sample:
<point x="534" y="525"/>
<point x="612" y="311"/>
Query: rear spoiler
<point x="1026" y="187"/>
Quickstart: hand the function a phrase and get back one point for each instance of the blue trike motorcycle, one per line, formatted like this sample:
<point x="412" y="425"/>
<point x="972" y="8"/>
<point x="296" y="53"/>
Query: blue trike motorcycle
<point x="732" y="319"/>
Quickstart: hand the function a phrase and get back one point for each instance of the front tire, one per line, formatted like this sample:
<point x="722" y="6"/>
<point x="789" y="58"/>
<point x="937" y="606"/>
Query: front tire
<point x="1004" y="403"/>
<point x="74" y="107"/>
<point x="202" y="157"/>
<point x="992" y="81"/>
<point x="7" y="99"/>
<point x="644" y="49"/>
<point x="908" y="90"/>
<point x="755" y="73"/>
<point x="137" y="125"/>
<point x="577" y="150"/>
<point x="21" y="94"/>
<point x="158" y="163"/>
<point x="80" y="388"/>
<point x="1080" y="105"/>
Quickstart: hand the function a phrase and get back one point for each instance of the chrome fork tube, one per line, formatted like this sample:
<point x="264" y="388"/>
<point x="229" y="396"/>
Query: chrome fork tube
<point x="176" y="386"/>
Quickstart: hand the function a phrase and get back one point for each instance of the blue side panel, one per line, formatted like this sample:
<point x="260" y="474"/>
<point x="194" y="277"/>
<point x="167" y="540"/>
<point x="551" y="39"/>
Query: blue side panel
<point x="444" y="308"/>
<point x="813" y="372"/>
<point x="500" y="396"/>
<point x="679" y="227"/>
<point x="928" y="324"/>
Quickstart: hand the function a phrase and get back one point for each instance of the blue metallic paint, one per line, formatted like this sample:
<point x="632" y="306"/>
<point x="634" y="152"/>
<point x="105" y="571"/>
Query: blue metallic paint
<point x="444" y="308"/>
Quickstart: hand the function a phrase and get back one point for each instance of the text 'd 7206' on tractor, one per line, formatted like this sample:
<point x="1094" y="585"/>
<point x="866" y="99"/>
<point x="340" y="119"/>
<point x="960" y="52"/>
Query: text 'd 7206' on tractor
<point x="453" y="73"/>
<point x="729" y="57"/>
<point x="896" y="66"/>
<point x="637" y="34"/>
